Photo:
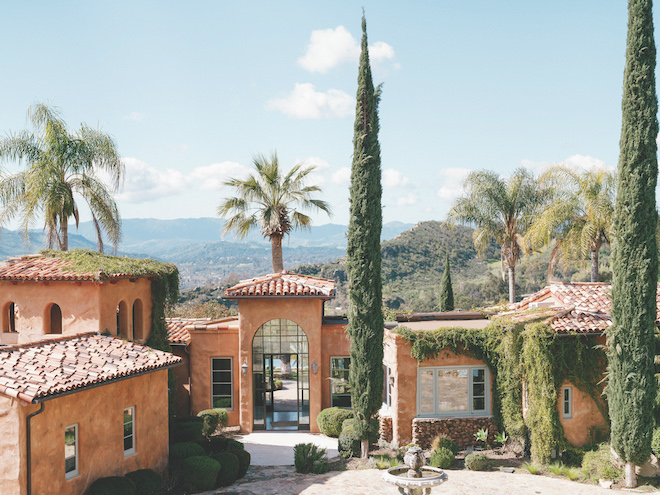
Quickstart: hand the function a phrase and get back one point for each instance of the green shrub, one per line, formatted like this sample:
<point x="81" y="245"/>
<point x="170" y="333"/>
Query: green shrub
<point x="572" y="456"/>
<point x="147" y="481"/>
<point x="186" y="429"/>
<point x="278" y="384"/>
<point x="183" y="450"/>
<point x="598" y="464"/>
<point x="112" y="485"/>
<point x="243" y="457"/>
<point x="442" y="458"/>
<point x="476" y="462"/>
<point x="330" y="420"/>
<point x="655" y="442"/>
<point x="321" y="467"/>
<point x="200" y="473"/>
<point x="306" y="456"/>
<point x="228" y="468"/>
<point x="215" y="444"/>
<point x="532" y="468"/>
<point x="444" y="441"/>
<point x="212" y="419"/>
<point x="234" y="445"/>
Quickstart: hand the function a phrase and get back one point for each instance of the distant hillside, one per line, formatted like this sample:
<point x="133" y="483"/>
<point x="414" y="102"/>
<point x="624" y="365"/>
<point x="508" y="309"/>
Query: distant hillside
<point x="13" y="243"/>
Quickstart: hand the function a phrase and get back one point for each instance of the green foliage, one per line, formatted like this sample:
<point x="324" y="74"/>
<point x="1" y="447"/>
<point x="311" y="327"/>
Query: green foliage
<point x="112" y="485"/>
<point x="476" y="462"/>
<point x="321" y="467"/>
<point x="446" y="290"/>
<point x="442" y="458"/>
<point x="501" y="437"/>
<point x="200" y="473"/>
<point x="208" y="309"/>
<point x="597" y="464"/>
<point x="330" y="420"/>
<point x="213" y="418"/>
<point x="349" y="442"/>
<point x="365" y="317"/>
<point x="306" y="456"/>
<point x="278" y="384"/>
<point x="235" y="445"/>
<point x="186" y="429"/>
<point x="655" y="442"/>
<point x="481" y="435"/>
<point x="631" y="387"/>
<point x="244" y="459"/>
<point x="183" y="450"/>
<point x="444" y="442"/>
<point x="532" y="468"/>
<point x="147" y="481"/>
<point x="228" y="468"/>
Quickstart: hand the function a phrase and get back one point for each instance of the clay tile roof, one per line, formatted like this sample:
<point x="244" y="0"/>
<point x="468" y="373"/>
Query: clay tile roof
<point x="178" y="328"/>
<point x="573" y="320"/>
<point x="42" y="268"/>
<point x="283" y="284"/>
<point x="48" y="368"/>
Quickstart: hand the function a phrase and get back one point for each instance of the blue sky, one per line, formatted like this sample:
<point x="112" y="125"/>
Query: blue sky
<point x="192" y="90"/>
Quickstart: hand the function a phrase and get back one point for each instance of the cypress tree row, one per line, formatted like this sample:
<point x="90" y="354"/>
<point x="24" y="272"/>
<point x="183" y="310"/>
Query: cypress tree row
<point x="446" y="290"/>
<point x="631" y="347"/>
<point x="365" y="317"/>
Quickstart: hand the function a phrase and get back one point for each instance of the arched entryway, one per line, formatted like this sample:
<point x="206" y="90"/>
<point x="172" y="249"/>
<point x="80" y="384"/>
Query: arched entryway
<point x="276" y="342"/>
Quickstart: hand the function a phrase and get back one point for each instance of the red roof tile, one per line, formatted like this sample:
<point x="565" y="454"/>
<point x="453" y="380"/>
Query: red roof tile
<point x="177" y="328"/>
<point x="42" y="268"/>
<point x="580" y="322"/>
<point x="47" y="368"/>
<point x="283" y="285"/>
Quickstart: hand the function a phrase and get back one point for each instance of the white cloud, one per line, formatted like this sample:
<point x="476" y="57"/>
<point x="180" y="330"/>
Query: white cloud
<point x="304" y="102"/>
<point x="535" y="167"/>
<point x="579" y="162"/>
<point x="394" y="178"/>
<point x="409" y="200"/>
<point x="143" y="182"/>
<point x="342" y="176"/>
<point x="452" y="179"/>
<point x="315" y="161"/>
<point x="212" y="176"/>
<point x="328" y="48"/>
<point x="137" y="116"/>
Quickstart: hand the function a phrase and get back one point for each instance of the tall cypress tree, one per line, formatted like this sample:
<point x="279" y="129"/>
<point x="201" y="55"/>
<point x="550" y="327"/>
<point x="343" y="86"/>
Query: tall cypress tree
<point x="446" y="290"/>
<point x="631" y="387"/>
<point x="365" y="317"/>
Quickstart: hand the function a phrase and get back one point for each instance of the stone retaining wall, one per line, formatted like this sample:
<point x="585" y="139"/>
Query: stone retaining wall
<point x="460" y="430"/>
<point x="385" y="429"/>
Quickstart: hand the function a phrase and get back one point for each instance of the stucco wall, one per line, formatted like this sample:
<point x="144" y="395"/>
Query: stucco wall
<point x="334" y="343"/>
<point x="585" y="416"/>
<point x="12" y="447"/>
<point x="253" y="313"/>
<point x="181" y="380"/>
<point x="111" y="293"/>
<point x="99" y="415"/>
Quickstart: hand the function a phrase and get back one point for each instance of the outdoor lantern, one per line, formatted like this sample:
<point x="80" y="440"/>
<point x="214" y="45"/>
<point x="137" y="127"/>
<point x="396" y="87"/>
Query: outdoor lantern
<point x="315" y="367"/>
<point x="244" y="368"/>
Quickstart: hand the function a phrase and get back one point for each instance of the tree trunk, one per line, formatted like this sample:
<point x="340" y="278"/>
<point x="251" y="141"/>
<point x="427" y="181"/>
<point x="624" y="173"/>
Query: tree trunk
<point x="364" y="451"/>
<point x="285" y="365"/>
<point x="276" y="252"/>
<point x="512" y="285"/>
<point x="594" y="266"/>
<point x="64" y="228"/>
<point x="631" y="475"/>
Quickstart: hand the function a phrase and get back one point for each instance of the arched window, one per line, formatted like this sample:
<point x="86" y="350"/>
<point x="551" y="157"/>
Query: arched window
<point x="9" y="317"/>
<point x="137" y="320"/>
<point x="122" y="320"/>
<point x="53" y="320"/>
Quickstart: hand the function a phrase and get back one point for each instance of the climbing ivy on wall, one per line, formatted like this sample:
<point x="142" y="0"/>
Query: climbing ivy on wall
<point x="527" y="350"/>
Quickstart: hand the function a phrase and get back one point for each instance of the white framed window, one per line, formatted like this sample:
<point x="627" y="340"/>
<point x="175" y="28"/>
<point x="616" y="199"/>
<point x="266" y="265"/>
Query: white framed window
<point x="71" y="451"/>
<point x="566" y="402"/>
<point x="222" y="383"/>
<point x="129" y="431"/>
<point x="453" y="391"/>
<point x="340" y="390"/>
<point x="388" y="383"/>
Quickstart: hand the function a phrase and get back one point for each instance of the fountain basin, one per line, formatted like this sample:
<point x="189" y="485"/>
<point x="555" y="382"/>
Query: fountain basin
<point x="431" y="476"/>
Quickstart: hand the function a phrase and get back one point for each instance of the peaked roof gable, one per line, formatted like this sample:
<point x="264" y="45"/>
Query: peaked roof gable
<point x="283" y="284"/>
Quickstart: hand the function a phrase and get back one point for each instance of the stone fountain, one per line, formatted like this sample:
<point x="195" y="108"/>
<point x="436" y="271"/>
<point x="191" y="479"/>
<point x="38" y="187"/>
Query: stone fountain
<point x="415" y="478"/>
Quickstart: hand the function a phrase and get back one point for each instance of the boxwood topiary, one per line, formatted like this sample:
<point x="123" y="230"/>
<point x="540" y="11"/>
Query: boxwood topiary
<point x="186" y="429"/>
<point x="330" y="420"/>
<point x="147" y="481"/>
<point x="112" y="485"/>
<point x="446" y="442"/>
<point x="200" y="473"/>
<point x="213" y="418"/>
<point x="244" y="458"/>
<point x="442" y="458"/>
<point x="214" y="444"/>
<point x="235" y="445"/>
<point x="476" y="461"/>
<point x="183" y="450"/>
<point x="228" y="468"/>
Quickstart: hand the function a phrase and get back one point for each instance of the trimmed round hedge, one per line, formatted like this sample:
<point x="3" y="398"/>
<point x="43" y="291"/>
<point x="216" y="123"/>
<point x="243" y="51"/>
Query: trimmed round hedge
<point x="476" y="461"/>
<point x="244" y="458"/>
<point x="186" y="429"/>
<point x="235" y="445"/>
<point x="330" y="420"/>
<point x="442" y="458"/>
<point x="213" y="418"/>
<point x="200" y="473"/>
<point x="147" y="481"/>
<point x="229" y="467"/>
<point x="113" y="485"/>
<point x="182" y="450"/>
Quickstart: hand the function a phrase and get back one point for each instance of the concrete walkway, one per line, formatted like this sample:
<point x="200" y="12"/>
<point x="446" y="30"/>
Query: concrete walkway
<point x="275" y="448"/>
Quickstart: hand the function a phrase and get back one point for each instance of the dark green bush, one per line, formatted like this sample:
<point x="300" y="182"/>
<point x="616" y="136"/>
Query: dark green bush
<point x="444" y="441"/>
<point x="598" y="464"/>
<point x="112" y="485"/>
<point x="186" y="429"/>
<point x="278" y="384"/>
<point x="442" y="458"/>
<point x="572" y="456"/>
<point x="183" y="450"/>
<point x="235" y="445"/>
<point x="200" y="473"/>
<point x="306" y="456"/>
<point x="321" y="467"/>
<point x="213" y="418"/>
<point x="214" y="444"/>
<point x="476" y="461"/>
<point x="349" y="443"/>
<point x="228" y="468"/>
<point x="330" y="420"/>
<point x="655" y="442"/>
<point x="147" y="481"/>
<point x="243" y="457"/>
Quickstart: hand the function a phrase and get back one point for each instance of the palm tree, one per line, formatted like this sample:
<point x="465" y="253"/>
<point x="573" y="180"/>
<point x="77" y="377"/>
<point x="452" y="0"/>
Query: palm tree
<point x="579" y="217"/>
<point x="500" y="210"/>
<point x="269" y="200"/>
<point x="61" y="165"/>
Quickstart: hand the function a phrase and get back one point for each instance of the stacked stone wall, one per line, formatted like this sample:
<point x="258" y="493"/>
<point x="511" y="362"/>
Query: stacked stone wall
<point x="460" y="430"/>
<point x="385" y="428"/>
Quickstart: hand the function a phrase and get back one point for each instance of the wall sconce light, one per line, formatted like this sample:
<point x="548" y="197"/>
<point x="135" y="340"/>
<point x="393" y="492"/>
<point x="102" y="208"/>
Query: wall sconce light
<point x="315" y="367"/>
<point x="244" y="367"/>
